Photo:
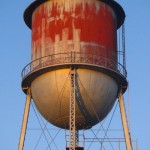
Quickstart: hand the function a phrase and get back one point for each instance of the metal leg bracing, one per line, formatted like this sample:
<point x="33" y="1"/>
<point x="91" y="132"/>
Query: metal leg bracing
<point x="124" y="123"/>
<point x="72" y="127"/>
<point x="25" y="120"/>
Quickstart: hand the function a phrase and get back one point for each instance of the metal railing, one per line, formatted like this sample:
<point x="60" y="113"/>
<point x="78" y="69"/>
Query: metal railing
<point x="73" y="58"/>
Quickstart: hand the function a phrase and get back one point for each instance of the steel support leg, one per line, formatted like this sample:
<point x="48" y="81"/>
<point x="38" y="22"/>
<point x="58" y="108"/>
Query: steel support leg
<point x="72" y="127"/>
<point x="124" y="123"/>
<point x="24" y="121"/>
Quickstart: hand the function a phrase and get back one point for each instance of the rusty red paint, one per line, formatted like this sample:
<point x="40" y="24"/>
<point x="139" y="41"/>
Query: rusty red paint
<point x="86" y="28"/>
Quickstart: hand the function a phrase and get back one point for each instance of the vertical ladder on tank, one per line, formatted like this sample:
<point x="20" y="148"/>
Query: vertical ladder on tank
<point x="72" y="127"/>
<point x="122" y="48"/>
<point x="74" y="133"/>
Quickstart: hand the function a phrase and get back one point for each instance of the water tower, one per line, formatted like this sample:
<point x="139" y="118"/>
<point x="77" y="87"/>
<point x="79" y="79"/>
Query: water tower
<point x="74" y="56"/>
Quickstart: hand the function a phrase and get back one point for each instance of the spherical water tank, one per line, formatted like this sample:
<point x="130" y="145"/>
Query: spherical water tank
<point x="81" y="34"/>
<point x="95" y="95"/>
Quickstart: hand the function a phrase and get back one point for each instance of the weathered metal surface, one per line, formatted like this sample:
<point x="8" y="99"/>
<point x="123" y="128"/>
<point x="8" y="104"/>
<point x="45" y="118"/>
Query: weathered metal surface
<point x="81" y="33"/>
<point x="95" y="95"/>
<point x="74" y="25"/>
<point x="113" y="4"/>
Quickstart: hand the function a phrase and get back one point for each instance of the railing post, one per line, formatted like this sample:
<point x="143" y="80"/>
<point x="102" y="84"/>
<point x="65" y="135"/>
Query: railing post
<point x="71" y="56"/>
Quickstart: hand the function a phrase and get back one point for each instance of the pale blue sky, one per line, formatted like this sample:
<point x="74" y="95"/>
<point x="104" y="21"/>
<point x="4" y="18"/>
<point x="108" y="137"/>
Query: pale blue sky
<point x="15" y="54"/>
